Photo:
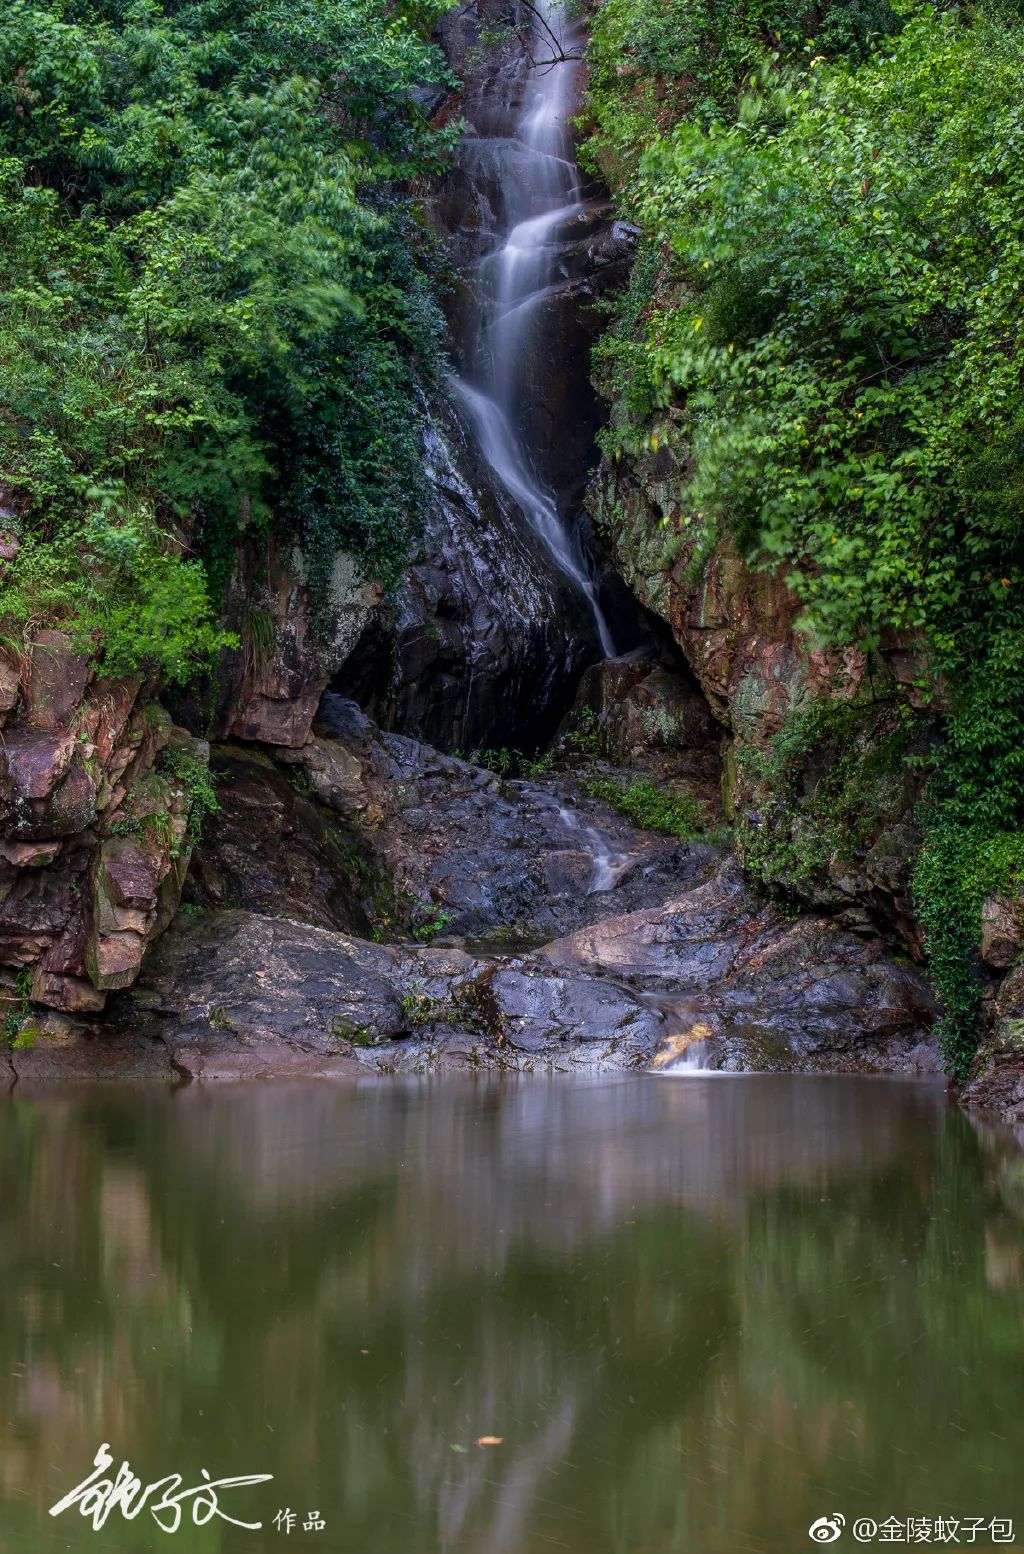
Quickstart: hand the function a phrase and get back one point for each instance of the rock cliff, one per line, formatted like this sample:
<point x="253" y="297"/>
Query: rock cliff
<point x="97" y="797"/>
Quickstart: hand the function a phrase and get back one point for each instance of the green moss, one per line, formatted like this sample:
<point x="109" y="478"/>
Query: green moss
<point x="825" y="785"/>
<point x="430" y="921"/>
<point x="652" y="806"/>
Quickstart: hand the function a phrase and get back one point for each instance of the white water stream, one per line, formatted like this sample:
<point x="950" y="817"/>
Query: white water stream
<point x="515" y="281"/>
<point x="608" y="867"/>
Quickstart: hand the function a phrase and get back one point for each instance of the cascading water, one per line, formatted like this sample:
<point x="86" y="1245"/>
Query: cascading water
<point x="541" y="192"/>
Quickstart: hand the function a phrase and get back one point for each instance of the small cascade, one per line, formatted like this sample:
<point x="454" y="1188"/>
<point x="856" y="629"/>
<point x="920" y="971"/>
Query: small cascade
<point x="541" y="192"/>
<point x="607" y="867"/>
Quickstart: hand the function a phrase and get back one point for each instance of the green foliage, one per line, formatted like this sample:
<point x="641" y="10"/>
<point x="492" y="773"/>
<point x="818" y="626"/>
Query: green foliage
<point x="17" y="1030"/>
<point x="828" y="329"/>
<point x="851" y="318"/>
<point x="421" y="1009"/>
<point x="651" y="806"/>
<point x="504" y="761"/>
<point x="432" y="921"/>
<point x="654" y="62"/>
<point x="958" y="866"/>
<point x="584" y="737"/>
<point x="120" y="587"/>
<point x="212" y="305"/>
<point x="974" y="839"/>
<point x="826" y="784"/>
<point x="194" y="782"/>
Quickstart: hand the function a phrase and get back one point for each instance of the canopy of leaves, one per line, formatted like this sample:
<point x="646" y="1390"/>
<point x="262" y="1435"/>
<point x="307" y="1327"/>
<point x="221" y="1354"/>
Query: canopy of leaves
<point x="211" y="305"/>
<point x="840" y="345"/>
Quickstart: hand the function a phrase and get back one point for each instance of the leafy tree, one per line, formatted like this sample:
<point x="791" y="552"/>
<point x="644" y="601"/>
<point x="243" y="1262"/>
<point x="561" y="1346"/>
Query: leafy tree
<point x="210" y="300"/>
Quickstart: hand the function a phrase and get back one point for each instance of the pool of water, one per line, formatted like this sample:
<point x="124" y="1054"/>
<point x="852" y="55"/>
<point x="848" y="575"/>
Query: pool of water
<point x="692" y="1315"/>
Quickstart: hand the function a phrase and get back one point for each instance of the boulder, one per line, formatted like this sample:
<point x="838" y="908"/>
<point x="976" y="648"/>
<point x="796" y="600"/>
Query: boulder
<point x="224" y="989"/>
<point x="56" y="680"/>
<point x="272" y="684"/>
<point x="996" y="1081"/>
<point x="757" y="990"/>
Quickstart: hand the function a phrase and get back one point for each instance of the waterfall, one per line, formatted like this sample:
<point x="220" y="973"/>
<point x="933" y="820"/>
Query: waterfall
<point x="541" y="192"/>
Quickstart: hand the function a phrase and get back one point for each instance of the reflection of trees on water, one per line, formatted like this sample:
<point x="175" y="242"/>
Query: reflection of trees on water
<point x="691" y="1309"/>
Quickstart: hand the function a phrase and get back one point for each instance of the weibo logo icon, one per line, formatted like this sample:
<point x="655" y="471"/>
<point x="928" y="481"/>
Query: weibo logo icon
<point x="827" y="1529"/>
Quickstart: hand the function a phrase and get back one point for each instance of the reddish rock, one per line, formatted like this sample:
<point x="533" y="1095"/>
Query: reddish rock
<point x="114" y="959"/>
<point x="110" y="706"/>
<point x="66" y="955"/>
<point x="56" y="680"/>
<point x="285" y="666"/>
<point x="126" y="875"/>
<point x="71" y="994"/>
<point x="32" y="765"/>
<point x="734" y="626"/>
<point x="71" y="808"/>
<point x="10" y="685"/>
<point x="30" y="855"/>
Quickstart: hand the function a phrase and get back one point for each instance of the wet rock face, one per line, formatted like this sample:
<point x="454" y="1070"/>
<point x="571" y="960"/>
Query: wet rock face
<point x="271" y="847"/>
<point x="593" y="254"/>
<point x="486" y="639"/>
<point x="93" y="829"/>
<point x="644" y="717"/>
<point x="590" y="253"/>
<point x="485" y="636"/>
<point x="657" y="950"/>
<point x="366" y="830"/>
<point x="229" y="994"/>
<point x="270" y="686"/>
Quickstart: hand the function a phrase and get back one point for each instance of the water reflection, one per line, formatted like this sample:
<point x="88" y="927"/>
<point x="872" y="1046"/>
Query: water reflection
<point x="699" y="1312"/>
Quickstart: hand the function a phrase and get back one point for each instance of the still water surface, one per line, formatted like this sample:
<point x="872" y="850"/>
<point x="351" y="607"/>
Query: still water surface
<point x="699" y="1313"/>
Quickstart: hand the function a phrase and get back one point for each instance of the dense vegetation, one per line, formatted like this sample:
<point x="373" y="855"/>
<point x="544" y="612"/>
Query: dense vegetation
<point x="213" y="309"/>
<point x="831" y="300"/>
